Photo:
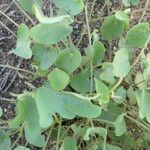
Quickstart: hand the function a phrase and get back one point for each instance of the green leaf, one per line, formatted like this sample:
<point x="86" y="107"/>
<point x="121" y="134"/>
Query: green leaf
<point x="74" y="7"/>
<point x="112" y="28"/>
<point x="79" y="131"/>
<point x="120" y="95"/>
<point x="122" y="15"/>
<point x="120" y="125"/>
<point x="121" y="58"/>
<point x="81" y="82"/>
<point x="45" y="56"/>
<point x="112" y="147"/>
<point x="28" y="114"/>
<point x="92" y="130"/>
<point x="131" y="95"/>
<point x="50" y="33"/>
<point x="127" y="2"/>
<point x="58" y="79"/>
<point x="69" y="143"/>
<point x="43" y="19"/>
<point x="1" y="112"/>
<point x="138" y="35"/>
<point x="107" y="73"/>
<point x="140" y="81"/>
<point x="5" y="141"/>
<point x="21" y="148"/>
<point x="23" y="43"/>
<point x="103" y="90"/>
<point x="143" y="100"/>
<point x="68" y="60"/>
<point x="65" y="104"/>
<point x="97" y="50"/>
<point x="28" y="4"/>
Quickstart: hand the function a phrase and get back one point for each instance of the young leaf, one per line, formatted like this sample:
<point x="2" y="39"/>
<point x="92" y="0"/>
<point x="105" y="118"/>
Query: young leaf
<point x="23" y="43"/>
<point x="28" y="114"/>
<point x="5" y="141"/>
<point x="112" y="147"/>
<point x="66" y="105"/>
<point x="68" y="60"/>
<point x="131" y="95"/>
<point x="122" y="15"/>
<point x="120" y="125"/>
<point x="45" y="57"/>
<point x="28" y="4"/>
<point x="69" y="143"/>
<point x="127" y="2"/>
<point x="107" y="73"/>
<point x="97" y="52"/>
<point x="112" y="28"/>
<point x="92" y="130"/>
<point x="143" y="100"/>
<point x="138" y="35"/>
<point x="121" y="63"/>
<point x="58" y="79"/>
<point x="103" y="90"/>
<point x="81" y="82"/>
<point x="74" y="7"/>
<point x="21" y="148"/>
<point x="50" y="33"/>
<point x="120" y="95"/>
<point x="43" y="19"/>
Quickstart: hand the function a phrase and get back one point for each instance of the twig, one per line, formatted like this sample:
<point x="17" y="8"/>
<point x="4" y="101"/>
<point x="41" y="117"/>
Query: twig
<point x="24" y="13"/>
<point x="137" y="123"/>
<point x="58" y="135"/>
<point x="7" y="28"/>
<point x="9" y="18"/>
<point x="15" y="68"/>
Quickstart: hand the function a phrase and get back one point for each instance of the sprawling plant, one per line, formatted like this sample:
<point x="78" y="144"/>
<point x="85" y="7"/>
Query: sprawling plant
<point x="86" y="98"/>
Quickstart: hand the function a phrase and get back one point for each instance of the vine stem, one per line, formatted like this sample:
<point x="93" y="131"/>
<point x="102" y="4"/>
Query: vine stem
<point x="20" y="134"/>
<point x="9" y="18"/>
<point x="116" y="85"/>
<point x="89" y="38"/>
<point x="24" y="13"/>
<point x="58" y="135"/>
<point x="137" y="123"/>
<point x="48" y="137"/>
<point x="15" y="68"/>
<point x="142" y="51"/>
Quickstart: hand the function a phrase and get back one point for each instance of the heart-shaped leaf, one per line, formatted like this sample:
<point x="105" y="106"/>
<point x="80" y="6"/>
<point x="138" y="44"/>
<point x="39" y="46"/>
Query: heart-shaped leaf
<point x="103" y="90"/>
<point x="50" y="33"/>
<point x="21" y="148"/>
<point x="23" y="42"/>
<point x="43" y="19"/>
<point x="138" y="35"/>
<point x="68" y="60"/>
<point x="121" y="58"/>
<point x="74" y="7"/>
<point x="5" y="141"/>
<point x="143" y="100"/>
<point x="69" y="143"/>
<point x="58" y="79"/>
<point x="28" y="4"/>
<point x="44" y="56"/>
<point x="112" y="28"/>
<point x="28" y="114"/>
<point x="65" y="104"/>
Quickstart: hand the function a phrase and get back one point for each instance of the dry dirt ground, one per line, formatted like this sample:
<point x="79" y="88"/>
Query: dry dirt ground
<point x="16" y="74"/>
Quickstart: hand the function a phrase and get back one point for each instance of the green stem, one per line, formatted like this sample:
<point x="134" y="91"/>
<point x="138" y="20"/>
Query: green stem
<point x="20" y="134"/>
<point x="58" y="135"/>
<point x="116" y="85"/>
